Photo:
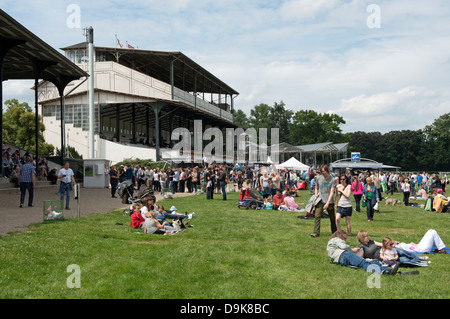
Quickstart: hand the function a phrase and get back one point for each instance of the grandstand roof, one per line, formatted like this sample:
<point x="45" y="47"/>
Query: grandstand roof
<point x="188" y="75"/>
<point x="21" y="60"/>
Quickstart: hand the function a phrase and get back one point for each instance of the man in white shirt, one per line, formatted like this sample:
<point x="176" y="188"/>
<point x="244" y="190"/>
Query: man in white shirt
<point x="66" y="176"/>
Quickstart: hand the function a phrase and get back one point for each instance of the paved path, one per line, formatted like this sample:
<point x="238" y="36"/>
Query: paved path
<point x="92" y="201"/>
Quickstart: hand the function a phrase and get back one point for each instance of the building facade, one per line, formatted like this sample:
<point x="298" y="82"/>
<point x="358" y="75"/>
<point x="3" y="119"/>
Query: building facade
<point x="140" y="97"/>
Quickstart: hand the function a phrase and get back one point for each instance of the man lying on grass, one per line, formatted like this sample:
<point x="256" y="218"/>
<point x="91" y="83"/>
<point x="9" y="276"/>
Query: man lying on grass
<point x="341" y="253"/>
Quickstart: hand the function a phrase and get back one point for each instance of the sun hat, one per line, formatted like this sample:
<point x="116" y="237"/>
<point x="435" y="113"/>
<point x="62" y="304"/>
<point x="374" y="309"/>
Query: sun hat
<point x="173" y="208"/>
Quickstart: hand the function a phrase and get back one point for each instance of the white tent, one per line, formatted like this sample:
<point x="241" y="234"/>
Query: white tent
<point x="294" y="164"/>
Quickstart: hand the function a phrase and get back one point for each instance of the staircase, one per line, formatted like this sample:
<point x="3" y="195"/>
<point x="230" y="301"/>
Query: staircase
<point x="7" y="186"/>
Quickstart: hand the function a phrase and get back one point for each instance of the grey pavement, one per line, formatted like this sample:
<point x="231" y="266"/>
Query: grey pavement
<point x="92" y="201"/>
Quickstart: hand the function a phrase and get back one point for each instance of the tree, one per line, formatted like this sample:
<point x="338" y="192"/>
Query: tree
<point x="366" y="143"/>
<point x="19" y="128"/>
<point x="240" y="118"/>
<point x="280" y="118"/>
<point x="70" y="152"/>
<point x="259" y="117"/>
<point x="436" y="144"/>
<point x="268" y="117"/>
<point x="310" y="127"/>
<point x="401" y="149"/>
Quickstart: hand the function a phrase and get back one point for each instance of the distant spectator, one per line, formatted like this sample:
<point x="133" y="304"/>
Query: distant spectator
<point x="27" y="181"/>
<point x="113" y="180"/>
<point x="52" y="177"/>
<point x="67" y="181"/>
<point x="14" y="176"/>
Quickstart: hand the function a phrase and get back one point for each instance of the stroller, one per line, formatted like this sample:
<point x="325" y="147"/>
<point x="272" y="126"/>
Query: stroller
<point x="249" y="199"/>
<point x="144" y="192"/>
<point x="125" y="191"/>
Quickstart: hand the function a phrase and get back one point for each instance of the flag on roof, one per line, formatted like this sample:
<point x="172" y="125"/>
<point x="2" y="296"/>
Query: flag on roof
<point x="129" y="46"/>
<point x="118" y="42"/>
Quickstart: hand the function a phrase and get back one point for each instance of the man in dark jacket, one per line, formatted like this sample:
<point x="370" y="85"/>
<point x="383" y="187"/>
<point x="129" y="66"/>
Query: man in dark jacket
<point x="222" y="180"/>
<point x="113" y="180"/>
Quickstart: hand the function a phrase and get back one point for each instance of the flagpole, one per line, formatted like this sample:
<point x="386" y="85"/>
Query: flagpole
<point x="91" y="92"/>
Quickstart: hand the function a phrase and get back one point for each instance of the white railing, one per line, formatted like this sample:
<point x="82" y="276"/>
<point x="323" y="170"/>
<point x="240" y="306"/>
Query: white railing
<point x="189" y="99"/>
<point x="113" y="77"/>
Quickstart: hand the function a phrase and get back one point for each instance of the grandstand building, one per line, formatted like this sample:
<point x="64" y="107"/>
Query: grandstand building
<point x="141" y="96"/>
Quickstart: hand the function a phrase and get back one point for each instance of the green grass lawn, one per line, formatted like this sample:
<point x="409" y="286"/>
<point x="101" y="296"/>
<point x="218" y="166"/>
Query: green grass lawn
<point x="230" y="253"/>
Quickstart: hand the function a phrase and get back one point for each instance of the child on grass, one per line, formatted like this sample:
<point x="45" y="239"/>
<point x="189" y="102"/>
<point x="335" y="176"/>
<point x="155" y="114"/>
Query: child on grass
<point x="137" y="221"/>
<point x="388" y="253"/>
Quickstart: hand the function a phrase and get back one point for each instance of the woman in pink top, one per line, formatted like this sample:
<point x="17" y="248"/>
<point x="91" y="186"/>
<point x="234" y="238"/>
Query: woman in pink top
<point x="289" y="201"/>
<point x="357" y="189"/>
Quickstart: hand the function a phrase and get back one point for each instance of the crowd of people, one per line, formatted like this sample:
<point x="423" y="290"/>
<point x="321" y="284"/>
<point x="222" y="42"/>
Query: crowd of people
<point x="277" y="189"/>
<point x="178" y="180"/>
<point x="385" y="257"/>
<point x="366" y="187"/>
<point x="22" y="172"/>
<point x="12" y="162"/>
<point x="153" y="219"/>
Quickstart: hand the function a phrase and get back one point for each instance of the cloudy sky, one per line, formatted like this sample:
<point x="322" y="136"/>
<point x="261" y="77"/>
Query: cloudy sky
<point x="382" y="65"/>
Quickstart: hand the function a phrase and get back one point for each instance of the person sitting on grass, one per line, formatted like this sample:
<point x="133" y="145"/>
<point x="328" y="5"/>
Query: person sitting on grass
<point x="153" y="226"/>
<point x="278" y="199"/>
<point x="294" y="191"/>
<point x="422" y="194"/>
<point x="149" y="205"/>
<point x="161" y="215"/>
<point x="259" y="193"/>
<point x="341" y="253"/>
<point x="388" y="253"/>
<point x="289" y="202"/>
<point x="268" y="203"/>
<point x="14" y="176"/>
<point x="137" y="220"/>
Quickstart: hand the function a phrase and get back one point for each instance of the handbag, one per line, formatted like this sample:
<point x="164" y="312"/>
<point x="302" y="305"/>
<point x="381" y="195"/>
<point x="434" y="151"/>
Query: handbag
<point x="363" y="204"/>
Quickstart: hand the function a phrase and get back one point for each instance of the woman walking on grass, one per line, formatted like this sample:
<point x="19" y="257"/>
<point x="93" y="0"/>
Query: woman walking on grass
<point x="344" y="204"/>
<point x="357" y="188"/>
<point x="406" y="189"/>
<point x="370" y="197"/>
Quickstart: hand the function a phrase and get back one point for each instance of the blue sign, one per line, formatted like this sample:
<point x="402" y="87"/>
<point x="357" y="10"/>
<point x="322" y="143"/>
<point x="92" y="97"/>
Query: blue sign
<point x="356" y="157"/>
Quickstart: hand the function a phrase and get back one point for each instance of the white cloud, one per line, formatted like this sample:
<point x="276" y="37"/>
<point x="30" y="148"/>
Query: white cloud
<point x="305" y="9"/>
<point x="309" y="53"/>
<point x="406" y="108"/>
<point x="20" y="90"/>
